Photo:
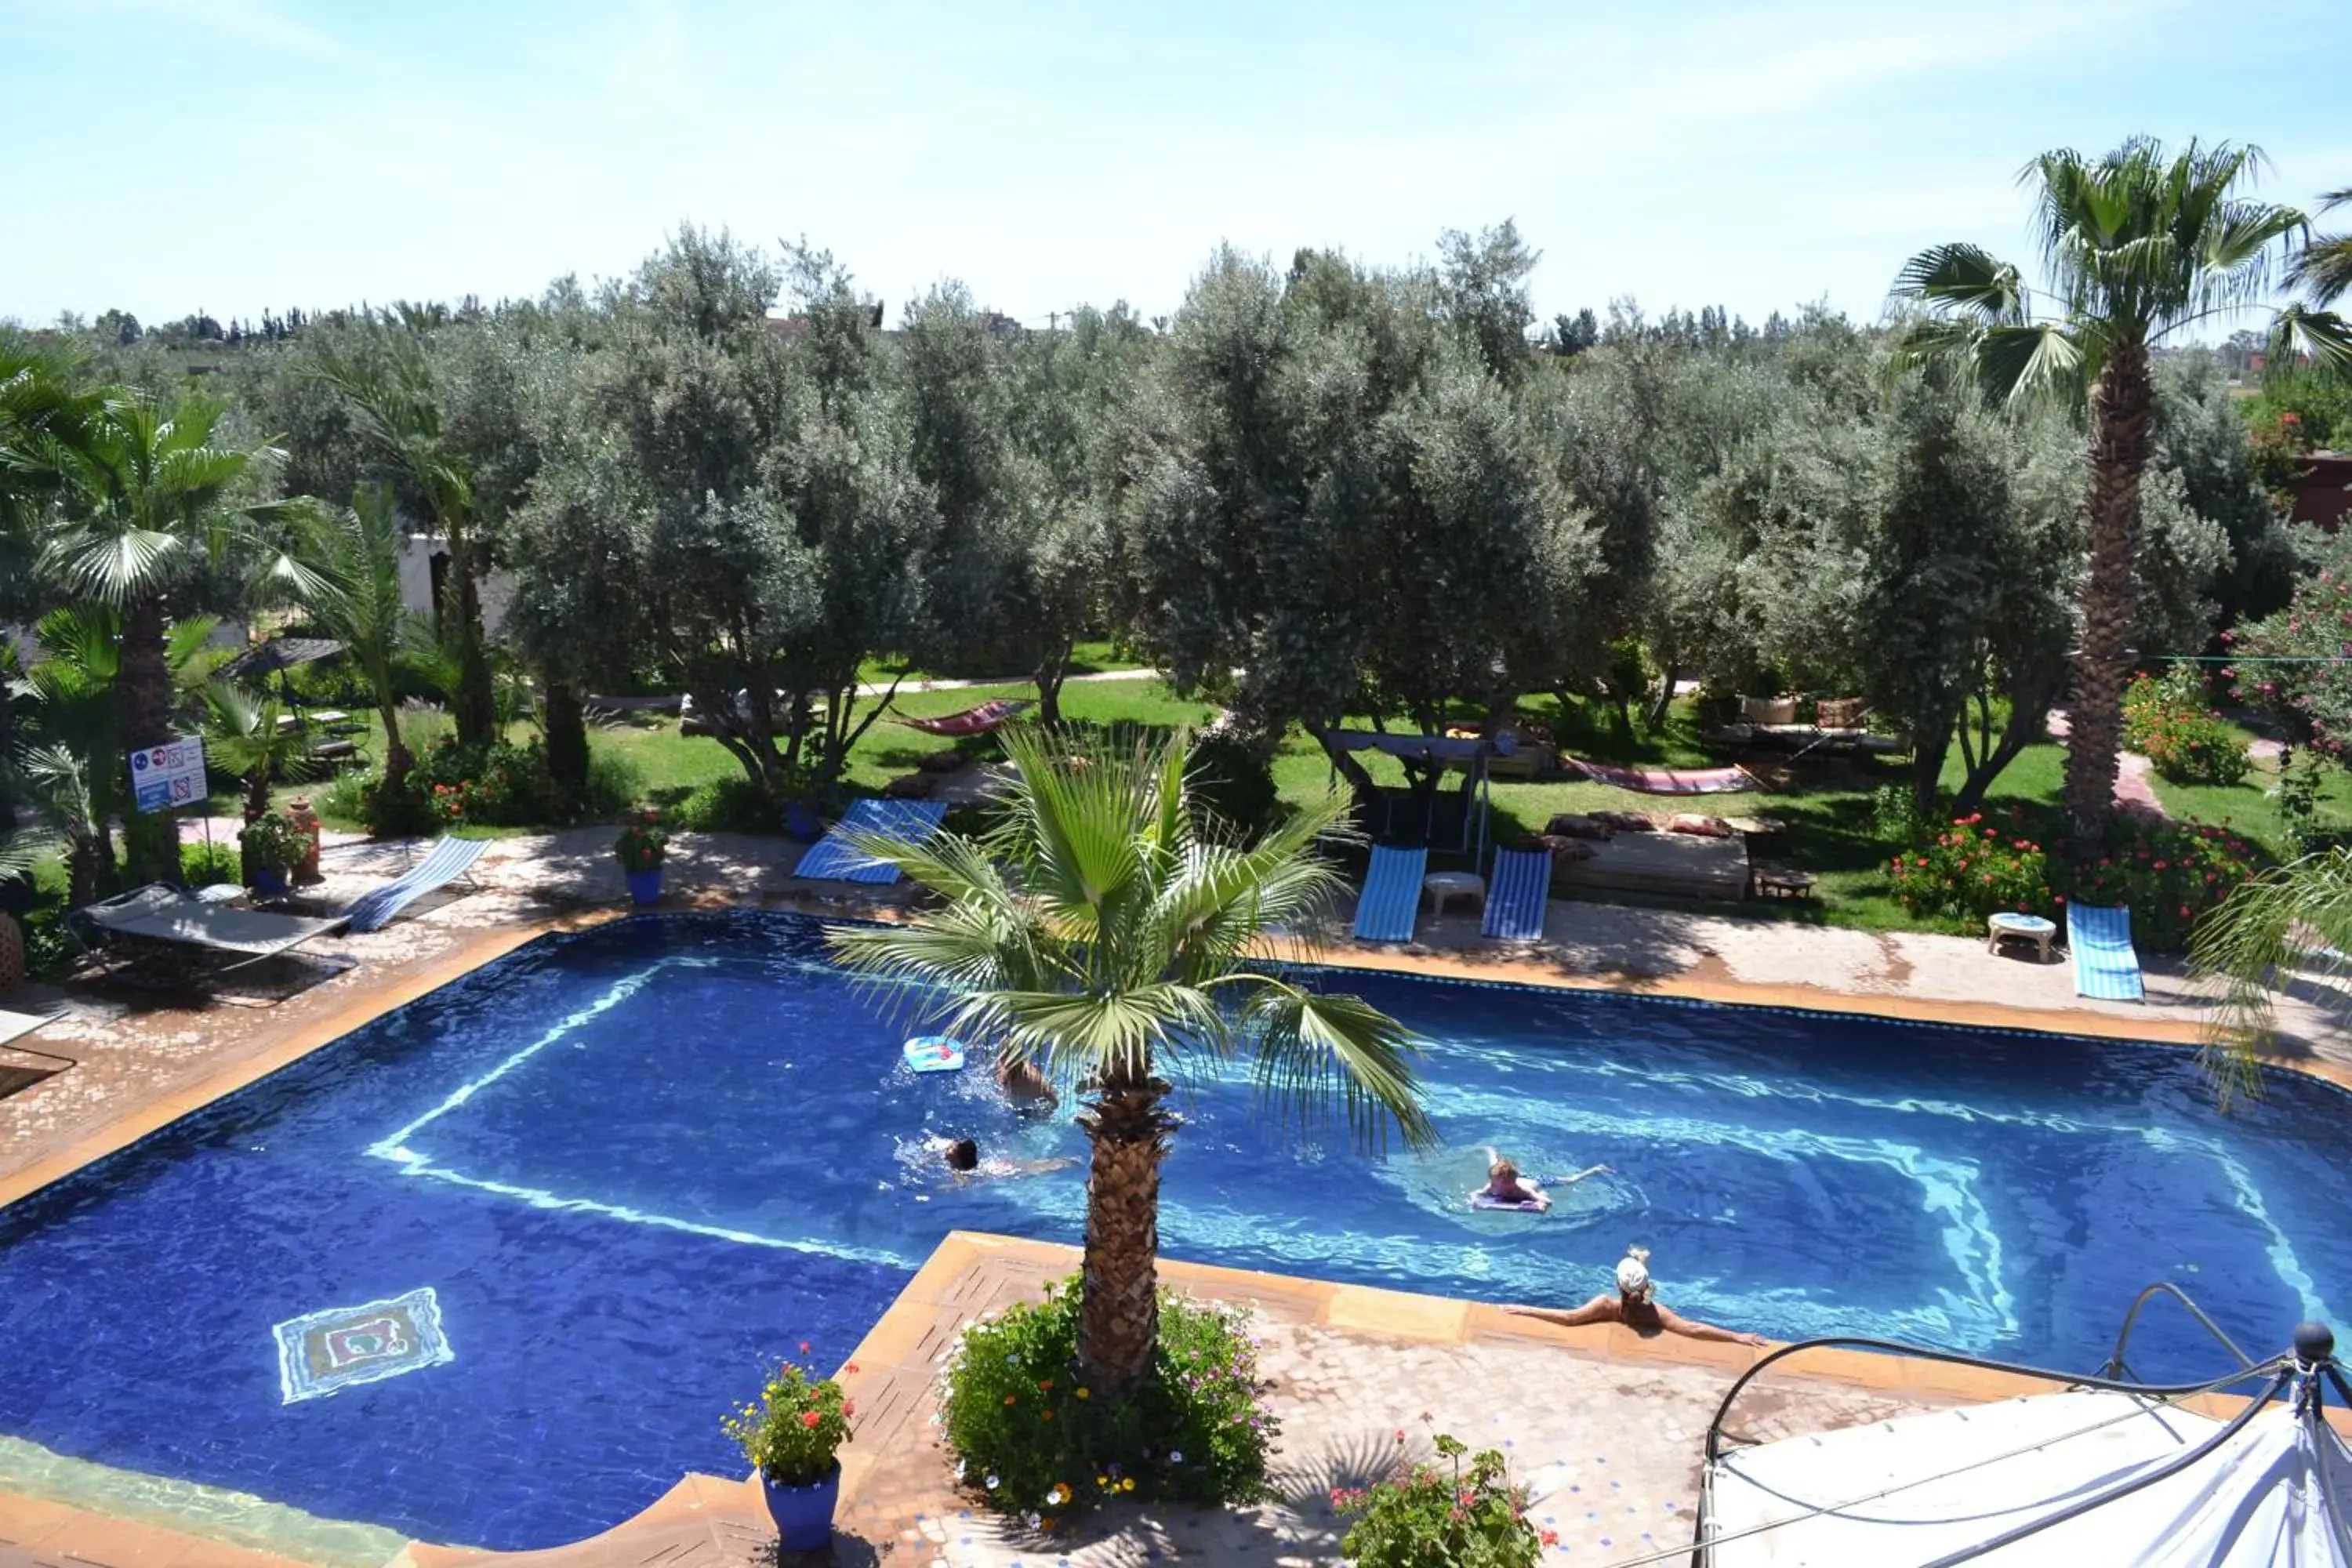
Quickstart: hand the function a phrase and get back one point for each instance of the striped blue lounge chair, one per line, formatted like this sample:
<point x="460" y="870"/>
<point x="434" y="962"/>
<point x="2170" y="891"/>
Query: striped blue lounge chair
<point x="833" y="858"/>
<point x="1517" y="894"/>
<point x="1391" y="896"/>
<point x="2106" y="969"/>
<point x="443" y="863"/>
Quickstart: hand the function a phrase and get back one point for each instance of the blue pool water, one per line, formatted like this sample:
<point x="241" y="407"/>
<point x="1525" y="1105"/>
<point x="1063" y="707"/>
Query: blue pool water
<point x="631" y="1166"/>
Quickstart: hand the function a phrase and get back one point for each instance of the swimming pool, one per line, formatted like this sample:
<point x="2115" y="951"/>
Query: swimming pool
<point x="487" y="1270"/>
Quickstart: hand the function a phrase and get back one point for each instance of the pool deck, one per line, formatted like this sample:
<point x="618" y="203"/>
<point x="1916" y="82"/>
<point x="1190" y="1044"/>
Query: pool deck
<point x="141" y="1060"/>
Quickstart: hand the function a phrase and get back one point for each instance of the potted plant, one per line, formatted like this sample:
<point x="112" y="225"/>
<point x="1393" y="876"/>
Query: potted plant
<point x="273" y="846"/>
<point x="792" y="1437"/>
<point x="643" y="842"/>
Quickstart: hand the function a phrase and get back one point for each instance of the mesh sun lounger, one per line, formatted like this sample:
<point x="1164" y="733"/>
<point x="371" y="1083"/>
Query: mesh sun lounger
<point x="834" y="858"/>
<point x="15" y="1026"/>
<point x="1517" y="895"/>
<point x="1390" y="903"/>
<point x="443" y="863"/>
<point x="2107" y="968"/>
<point x="159" y="913"/>
<point x="977" y="721"/>
<point x="1667" y="781"/>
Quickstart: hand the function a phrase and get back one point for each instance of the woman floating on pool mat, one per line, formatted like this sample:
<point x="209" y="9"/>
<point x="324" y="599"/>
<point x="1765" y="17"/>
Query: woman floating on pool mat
<point x="1636" y="1305"/>
<point x="1506" y="1189"/>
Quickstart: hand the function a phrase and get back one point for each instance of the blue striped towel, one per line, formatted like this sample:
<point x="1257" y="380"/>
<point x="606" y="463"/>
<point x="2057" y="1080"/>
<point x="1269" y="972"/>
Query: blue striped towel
<point x="443" y="863"/>
<point x="1516" y="898"/>
<point x="1391" y="897"/>
<point x="2106" y="969"/>
<point x="833" y="858"/>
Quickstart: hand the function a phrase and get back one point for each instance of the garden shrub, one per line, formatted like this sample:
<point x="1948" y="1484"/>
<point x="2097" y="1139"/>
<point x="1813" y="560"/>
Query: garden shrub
<point x="491" y="785"/>
<point x="1431" y="1518"/>
<point x="614" y="780"/>
<point x="725" y="805"/>
<point x="2169" y="873"/>
<point x="1032" y="1439"/>
<point x="202" y="864"/>
<point x="2166" y="722"/>
<point x="1233" y="788"/>
<point x="1973" y="869"/>
<point x="1896" y="816"/>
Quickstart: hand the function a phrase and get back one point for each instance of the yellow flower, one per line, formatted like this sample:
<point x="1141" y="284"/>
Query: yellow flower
<point x="1103" y="1481"/>
<point x="1126" y="1484"/>
<point x="1082" y="1393"/>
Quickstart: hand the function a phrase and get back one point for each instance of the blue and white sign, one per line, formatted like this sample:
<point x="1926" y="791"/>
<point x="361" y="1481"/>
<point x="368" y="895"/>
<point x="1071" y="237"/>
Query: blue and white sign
<point x="169" y="775"/>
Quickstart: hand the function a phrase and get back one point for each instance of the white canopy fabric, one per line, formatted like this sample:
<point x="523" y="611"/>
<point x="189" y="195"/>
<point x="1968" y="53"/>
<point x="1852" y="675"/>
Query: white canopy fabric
<point x="2275" y="1493"/>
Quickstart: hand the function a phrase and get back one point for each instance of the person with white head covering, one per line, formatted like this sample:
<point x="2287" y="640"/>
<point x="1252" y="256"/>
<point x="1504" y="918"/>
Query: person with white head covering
<point x="1636" y="1305"/>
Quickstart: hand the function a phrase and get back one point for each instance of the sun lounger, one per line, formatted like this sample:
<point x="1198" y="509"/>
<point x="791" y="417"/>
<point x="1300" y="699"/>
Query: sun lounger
<point x="1517" y="893"/>
<point x="2107" y="968"/>
<point x="165" y="914"/>
<point x="448" y="860"/>
<point x="1391" y="897"/>
<point x="977" y="721"/>
<point x="15" y="1025"/>
<point x="834" y="858"/>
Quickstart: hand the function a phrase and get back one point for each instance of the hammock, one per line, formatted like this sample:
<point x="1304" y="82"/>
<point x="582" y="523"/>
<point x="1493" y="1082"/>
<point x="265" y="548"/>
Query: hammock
<point x="1668" y="781"/>
<point x="977" y="721"/>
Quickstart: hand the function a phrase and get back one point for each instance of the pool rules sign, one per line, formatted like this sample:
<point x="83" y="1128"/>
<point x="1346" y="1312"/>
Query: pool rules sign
<point x="169" y="775"/>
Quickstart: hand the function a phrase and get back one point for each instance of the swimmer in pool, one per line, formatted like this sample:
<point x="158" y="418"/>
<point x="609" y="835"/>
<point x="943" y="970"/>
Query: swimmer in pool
<point x="1636" y="1305"/>
<point x="1505" y="1185"/>
<point x="964" y="1162"/>
<point x="1024" y="1084"/>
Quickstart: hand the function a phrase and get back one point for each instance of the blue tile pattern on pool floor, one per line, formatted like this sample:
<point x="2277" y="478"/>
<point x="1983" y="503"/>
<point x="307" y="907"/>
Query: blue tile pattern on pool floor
<point x="632" y="1165"/>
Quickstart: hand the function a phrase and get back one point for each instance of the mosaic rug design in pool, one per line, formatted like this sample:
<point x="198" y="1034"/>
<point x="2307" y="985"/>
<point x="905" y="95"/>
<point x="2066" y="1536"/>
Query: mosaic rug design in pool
<point x="319" y="1352"/>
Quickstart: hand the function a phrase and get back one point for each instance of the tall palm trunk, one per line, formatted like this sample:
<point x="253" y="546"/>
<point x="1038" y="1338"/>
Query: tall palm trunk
<point x="472" y="707"/>
<point x="1119" y="1322"/>
<point x="150" y="840"/>
<point x="2094" y="716"/>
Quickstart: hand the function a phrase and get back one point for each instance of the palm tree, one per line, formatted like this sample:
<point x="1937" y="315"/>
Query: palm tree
<point x="396" y="404"/>
<point x="155" y="501"/>
<point x="354" y="556"/>
<point x="1098" y="935"/>
<point x="2293" y="917"/>
<point x="2136" y="245"/>
<point x="243" y="736"/>
<point x="2322" y="268"/>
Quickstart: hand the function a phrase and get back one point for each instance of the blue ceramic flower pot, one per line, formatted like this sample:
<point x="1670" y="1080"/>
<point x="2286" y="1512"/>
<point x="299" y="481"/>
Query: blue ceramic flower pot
<point x="803" y="1514"/>
<point x="645" y="887"/>
<point x="269" y="884"/>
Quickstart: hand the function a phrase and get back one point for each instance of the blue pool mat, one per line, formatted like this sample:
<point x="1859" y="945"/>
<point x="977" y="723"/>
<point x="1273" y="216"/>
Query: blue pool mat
<point x="1516" y="895"/>
<point x="1391" y="897"/>
<point x="833" y="858"/>
<point x="2106" y="969"/>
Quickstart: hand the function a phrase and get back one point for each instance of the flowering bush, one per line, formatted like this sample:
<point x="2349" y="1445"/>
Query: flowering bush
<point x="1430" y="1520"/>
<point x="1973" y="869"/>
<point x="799" y="1422"/>
<point x="498" y="785"/>
<point x="643" y="842"/>
<point x="272" y="843"/>
<point x="2166" y="722"/>
<point x="2168" y="873"/>
<point x="1032" y="1439"/>
<point x="2295" y="662"/>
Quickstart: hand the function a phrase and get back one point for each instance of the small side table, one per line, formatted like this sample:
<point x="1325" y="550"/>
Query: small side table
<point x="1440" y="887"/>
<point x="1781" y="881"/>
<point x="2023" y="928"/>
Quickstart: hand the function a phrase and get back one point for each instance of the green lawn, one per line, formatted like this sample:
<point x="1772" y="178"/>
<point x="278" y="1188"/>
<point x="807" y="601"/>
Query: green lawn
<point x="1828" y="807"/>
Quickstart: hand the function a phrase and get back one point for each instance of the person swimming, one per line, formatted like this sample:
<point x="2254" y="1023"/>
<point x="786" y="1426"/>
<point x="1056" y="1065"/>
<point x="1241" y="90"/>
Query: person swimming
<point x="1636" y="1305"/>
<point x="1506" y="1188"/>
<point x="1024" y="1083"/>
<point x="962" y="1158"/>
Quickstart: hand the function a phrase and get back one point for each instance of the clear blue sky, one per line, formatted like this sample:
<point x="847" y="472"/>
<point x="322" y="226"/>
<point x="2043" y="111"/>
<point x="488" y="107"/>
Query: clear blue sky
<point x="166" y="154"/>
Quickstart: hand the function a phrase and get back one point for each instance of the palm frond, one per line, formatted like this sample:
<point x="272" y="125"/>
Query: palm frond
<point x="1966" y="279"/>
<point x="1318" y="1054"/>
<point x="2042" y="364"/>
<point x="2293" y="917"/>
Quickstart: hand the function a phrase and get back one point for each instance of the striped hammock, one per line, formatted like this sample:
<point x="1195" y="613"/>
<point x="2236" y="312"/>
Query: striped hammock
<point x="1668" y="781"/>
<point x="977" y="721"/>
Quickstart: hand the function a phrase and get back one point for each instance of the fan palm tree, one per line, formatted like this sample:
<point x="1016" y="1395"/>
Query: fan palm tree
<point x="396" y="404"/>
<point x="354" y="556"/>
<point x="243" y="736"/>
<point x="1097" y="935"/>
<point x="2296" y="916"/>
<point x="155" y="500"/>
<point x="2136" y="245"/>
